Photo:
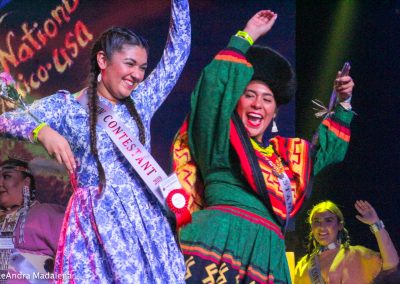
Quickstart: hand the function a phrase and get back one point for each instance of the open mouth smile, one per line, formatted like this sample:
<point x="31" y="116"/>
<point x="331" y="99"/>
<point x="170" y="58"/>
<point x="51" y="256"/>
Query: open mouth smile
<point x="254" y="119"/>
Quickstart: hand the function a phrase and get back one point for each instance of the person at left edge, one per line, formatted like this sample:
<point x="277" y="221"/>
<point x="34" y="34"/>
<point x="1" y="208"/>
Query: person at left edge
<point x="114" y="230"/>
<point x="31" y="228"/>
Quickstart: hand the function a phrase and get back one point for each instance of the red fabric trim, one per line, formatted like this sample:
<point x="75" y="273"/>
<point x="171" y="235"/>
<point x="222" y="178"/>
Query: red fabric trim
<point x="62" y="241"/>
<point x="237" y="145"/>
<point x="249" y="216"/>
<point x="338" y="129"/>
<point x="232" y="56"/>
<point x="232" y="53"/>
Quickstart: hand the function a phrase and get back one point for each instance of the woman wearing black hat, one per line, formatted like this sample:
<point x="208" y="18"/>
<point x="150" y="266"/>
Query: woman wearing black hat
<point x="251" y="191"/>
<point x="29" y="229"/>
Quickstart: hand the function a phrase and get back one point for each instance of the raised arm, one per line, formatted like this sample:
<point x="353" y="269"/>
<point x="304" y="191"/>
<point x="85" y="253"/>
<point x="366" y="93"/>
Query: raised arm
<point x="334" y="131"/>
<point x="153" y="91"/>
<point x="217" y="92"/>
<point x="368" y="215"/>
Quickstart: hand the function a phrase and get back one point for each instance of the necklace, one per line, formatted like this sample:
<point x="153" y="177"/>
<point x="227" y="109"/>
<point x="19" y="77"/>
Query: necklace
<point x="8" y="224"/>
<point x="331" y="246"/>
<point x="277" y="167"/>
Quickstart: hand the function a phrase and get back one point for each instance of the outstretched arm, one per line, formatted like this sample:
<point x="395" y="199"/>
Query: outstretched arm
<point x="153" y="91"/>
<point x="368" y="215"/>
<point x="334" y="131"/>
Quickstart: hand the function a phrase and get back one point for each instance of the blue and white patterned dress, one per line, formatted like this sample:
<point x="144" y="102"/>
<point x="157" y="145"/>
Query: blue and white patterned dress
<point x="120" y="235"/>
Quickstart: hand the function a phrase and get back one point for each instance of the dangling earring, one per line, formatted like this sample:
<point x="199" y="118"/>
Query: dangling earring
<point x="274" y="127"/>
<point x="99" y="78"/>
<point x="25" y="210"/>
<point x="26" y="195"/>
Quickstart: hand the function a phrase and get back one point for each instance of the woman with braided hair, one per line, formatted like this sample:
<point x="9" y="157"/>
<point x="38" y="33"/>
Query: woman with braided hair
<point x="29" y="229"/>
<point x="115" y="230"/>
<point x="331" y="259"/>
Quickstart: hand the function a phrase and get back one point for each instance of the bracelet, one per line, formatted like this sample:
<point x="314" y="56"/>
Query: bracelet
<point x="245" y="36"/>
<point x="36" y="131"/>
<point x="377" y="226"/>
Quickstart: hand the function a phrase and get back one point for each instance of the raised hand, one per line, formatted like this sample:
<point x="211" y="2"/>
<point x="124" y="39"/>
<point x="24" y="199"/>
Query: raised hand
<point x="57" y="147"/>
<point x="260" y="24"/>
<point x="367" y="213"/>
<point x="343" y="86"/>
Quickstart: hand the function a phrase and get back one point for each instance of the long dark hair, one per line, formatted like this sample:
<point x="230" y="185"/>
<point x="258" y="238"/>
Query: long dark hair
<point x="343" y="235"/>
<point x="109" y="42"/>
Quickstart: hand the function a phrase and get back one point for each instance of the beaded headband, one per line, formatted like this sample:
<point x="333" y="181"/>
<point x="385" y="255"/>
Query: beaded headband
<point x="15" y="168"/>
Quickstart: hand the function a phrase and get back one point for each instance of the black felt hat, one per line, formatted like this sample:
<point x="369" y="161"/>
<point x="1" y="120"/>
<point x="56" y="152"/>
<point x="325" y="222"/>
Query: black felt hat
<point x="273" y="69"/>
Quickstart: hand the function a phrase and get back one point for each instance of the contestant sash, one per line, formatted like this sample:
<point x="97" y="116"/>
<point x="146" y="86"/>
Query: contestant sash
<point x="315" y="271"/>
<point x="141" y="160"/>
<point x="137" y="155"/>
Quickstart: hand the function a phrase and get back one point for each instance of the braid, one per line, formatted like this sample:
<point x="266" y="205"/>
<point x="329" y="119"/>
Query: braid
<point x="109" y="42"/>
<point x="344" y="238"/>
<point x="130" y="105"/>
<point x="93" y="103"/>
<point x="311" y="246"/>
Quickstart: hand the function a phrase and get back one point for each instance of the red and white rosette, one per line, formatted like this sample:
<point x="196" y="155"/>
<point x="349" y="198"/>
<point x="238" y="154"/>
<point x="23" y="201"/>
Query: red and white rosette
<point x="178" y="201"/>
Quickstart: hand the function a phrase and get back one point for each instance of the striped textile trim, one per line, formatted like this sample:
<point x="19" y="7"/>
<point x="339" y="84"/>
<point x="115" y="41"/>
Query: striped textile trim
<point x="203" y="253"/>
<point x="249" y="216"/>
<point x="232" y="56"/>
<point x="339" y="130"/>
<point x="244" y="158"/>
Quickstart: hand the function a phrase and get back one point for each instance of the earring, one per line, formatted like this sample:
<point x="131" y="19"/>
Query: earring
<point x="99" y="78"/>
<point x="25" y="209"/>
<point x="26" y="195"/>
<point x="274" y="127"/>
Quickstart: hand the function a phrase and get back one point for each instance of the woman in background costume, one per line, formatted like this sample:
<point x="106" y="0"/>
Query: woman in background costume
<point x="331" y="258"/>
<point x="29" y="229"/>
<point x="252" y="191"/>
<point x="115" y="230"/>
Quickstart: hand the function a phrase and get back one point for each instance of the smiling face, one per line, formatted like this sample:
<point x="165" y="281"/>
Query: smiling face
<point x="11" y="185"/>
<point x="256" y="108"/>
<point x="325" y="227"/>
<point x="122" y="73"/>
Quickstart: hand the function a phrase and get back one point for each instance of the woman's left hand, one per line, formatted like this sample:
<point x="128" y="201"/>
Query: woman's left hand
<point x="367" y="212"/>
<point x="343" y="86"/>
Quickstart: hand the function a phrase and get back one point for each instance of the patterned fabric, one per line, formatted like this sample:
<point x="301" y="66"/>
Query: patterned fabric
<point x="120" y="235"/>
<point x="237" y="237"/>
<point x="261" y="167"/>
<point x="234" y="246"/>
<point x="343" y="265"/>
<point x="186" y="169"/>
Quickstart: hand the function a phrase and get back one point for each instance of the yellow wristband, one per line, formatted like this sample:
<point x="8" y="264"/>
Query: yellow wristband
<point x="36" y="131"/>
<point x="245" y="36"/>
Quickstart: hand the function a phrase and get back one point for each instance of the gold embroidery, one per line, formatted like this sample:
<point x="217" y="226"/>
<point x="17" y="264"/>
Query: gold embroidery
<point x="211" y="271"/>
<point x="221" y="278"/>
<point x="189" y="263"/>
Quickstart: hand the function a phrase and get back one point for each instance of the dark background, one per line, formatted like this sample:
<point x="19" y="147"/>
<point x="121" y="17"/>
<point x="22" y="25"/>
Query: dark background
<point x="371" y="168"/>
<point x="369" y="38"/>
